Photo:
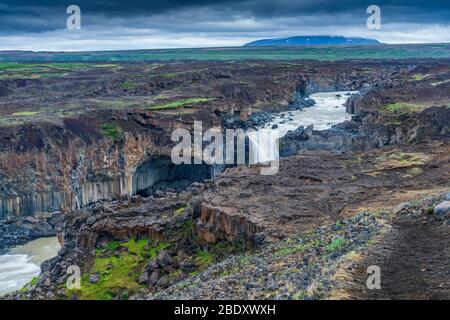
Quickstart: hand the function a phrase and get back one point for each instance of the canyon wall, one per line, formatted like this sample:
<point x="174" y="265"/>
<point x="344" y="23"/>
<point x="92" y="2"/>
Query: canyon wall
<point x="65" y="162"/>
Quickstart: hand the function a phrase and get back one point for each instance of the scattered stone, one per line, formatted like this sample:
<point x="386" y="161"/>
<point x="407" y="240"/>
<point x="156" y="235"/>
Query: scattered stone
<point x="442" y="210"/>
<point x="61" y="292"/>
<point x="143" y="279"/>
<point x="163" y="282"/>
<point x="159" y="194"/>
<point x="47" y="282"/>
<point x="187" y="266"/>
<point x="163" y="258"/>
<point x="61" y="280"/>
<point x="402" y="206"/>
<point x="168" y="269"/>
<point x="153" y="265"/>
<point x="94" y="278"/>
<point x="153" y="278"/>
<point x="197" y="185"/>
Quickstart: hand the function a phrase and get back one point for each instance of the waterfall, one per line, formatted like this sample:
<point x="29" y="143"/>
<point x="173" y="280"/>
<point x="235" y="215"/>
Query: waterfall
<point x="328" y="111"/>
<point x="263" y="145"/>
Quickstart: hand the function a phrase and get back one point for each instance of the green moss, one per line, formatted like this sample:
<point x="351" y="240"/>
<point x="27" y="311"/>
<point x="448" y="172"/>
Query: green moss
<point x="118" y="271"/>
<point x="180" y="103"/>
<point x="393" y="160"/>
<point x="25" y="113"/>
<point x="111" y="130"/>
<point x="169" y="75"/>
<point x="413" y="172"/>
<point x="181" y="210"/>
<point x="291" y="249"/>
<point x="128" y="85"/>
<point x="113" y="245"/>
<point x="336" y="244"/>
<point x="418" y="77"/>
<point x="34" y="281"/>
<point x="115" y="104"/>
<point x="203" y="259"/>
<point x="300" y="295"/>
<point x="399" y="107"/>
<point x="185" y="230"/>
<point x="36" y="71"/>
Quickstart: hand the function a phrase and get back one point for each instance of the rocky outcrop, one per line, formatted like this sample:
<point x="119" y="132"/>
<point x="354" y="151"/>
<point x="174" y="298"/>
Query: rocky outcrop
<point x="371" y="130"/>
<point x="442" y="210"/>
<point x="60" y="155"/>
<point x="225" y="223"/>
<point x="19" y="230"/>
<point x="311" y="188"/>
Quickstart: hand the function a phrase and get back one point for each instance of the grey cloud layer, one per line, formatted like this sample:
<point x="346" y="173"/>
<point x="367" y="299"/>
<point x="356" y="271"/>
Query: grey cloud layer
<point x="172" y="23"/>
<point x="37" y="16"/>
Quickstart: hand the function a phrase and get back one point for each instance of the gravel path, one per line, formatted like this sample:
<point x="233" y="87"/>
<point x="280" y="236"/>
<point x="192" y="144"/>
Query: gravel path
<point x="414" y="258"/>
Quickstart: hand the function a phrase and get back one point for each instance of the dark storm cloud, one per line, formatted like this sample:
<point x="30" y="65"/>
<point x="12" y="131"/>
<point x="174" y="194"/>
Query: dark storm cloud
<point x="137" y="24"/>
<point x="36" y="16"/>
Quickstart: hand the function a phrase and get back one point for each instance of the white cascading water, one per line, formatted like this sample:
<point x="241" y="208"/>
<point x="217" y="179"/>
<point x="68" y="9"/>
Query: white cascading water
<point x="328" y="111"/>
<point x="21" y="264"/>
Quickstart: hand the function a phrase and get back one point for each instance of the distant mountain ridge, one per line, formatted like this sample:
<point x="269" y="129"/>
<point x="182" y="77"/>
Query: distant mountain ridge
<point x="312" y="40"/>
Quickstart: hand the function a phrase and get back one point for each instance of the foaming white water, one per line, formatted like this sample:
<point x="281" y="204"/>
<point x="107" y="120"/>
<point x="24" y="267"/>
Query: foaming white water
<point x="328" y="111"/>
<point x="21" y="264"/>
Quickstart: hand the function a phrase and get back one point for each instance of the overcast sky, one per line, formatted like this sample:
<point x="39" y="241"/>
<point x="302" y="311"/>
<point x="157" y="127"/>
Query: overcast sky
<point x="149" y="24"/>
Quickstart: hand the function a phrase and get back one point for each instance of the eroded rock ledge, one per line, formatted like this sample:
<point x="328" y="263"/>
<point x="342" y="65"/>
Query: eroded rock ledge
<point x="313" y="188"/>
<point x="63" y="156"/>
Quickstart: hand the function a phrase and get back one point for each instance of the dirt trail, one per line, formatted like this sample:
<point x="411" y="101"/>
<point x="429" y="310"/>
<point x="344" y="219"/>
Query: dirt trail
<point x="414" y="259"/>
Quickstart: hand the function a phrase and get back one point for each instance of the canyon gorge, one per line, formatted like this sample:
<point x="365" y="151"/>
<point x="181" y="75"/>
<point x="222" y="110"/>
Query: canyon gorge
<point x="85" y="156"/>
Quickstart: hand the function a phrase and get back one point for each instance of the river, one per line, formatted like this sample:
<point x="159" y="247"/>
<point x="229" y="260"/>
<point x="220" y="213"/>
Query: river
<point x="22" y="263"/>
<point x="328" y="111"/>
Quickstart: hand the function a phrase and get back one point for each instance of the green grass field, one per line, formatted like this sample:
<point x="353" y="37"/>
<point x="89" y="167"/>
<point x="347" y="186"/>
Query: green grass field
<point x="240" y="53"/>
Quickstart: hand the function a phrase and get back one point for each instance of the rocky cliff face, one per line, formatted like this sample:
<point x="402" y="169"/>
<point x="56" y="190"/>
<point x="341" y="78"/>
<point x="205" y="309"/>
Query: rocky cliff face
<point x="52" y="167"/>
<point x="413" y="111"/>
<point x="96" y="134"/>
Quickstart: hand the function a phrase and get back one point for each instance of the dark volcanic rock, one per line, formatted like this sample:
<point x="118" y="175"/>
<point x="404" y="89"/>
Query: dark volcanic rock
<point x="442" y="210"/>
<point x="314" y="187"/>
<point x="16" y="231"/>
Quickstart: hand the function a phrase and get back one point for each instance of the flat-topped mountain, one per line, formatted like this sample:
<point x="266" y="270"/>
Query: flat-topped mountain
<point x="312" y="40"/>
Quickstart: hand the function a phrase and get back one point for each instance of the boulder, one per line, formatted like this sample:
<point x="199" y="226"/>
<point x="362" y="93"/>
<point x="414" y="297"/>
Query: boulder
<point x="164" y="258"/>
<point x="94" y="278"/>
<point x="153" y="265"/>
<point x="401" y="207"/>
<point x="153" y="278"/>
<point x="442" y="210"/>
<point x="187" y="266"/>
<point x="143" y="279"/>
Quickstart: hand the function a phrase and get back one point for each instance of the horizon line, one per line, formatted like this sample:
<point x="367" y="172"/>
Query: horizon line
<point x="229" y="47"/>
